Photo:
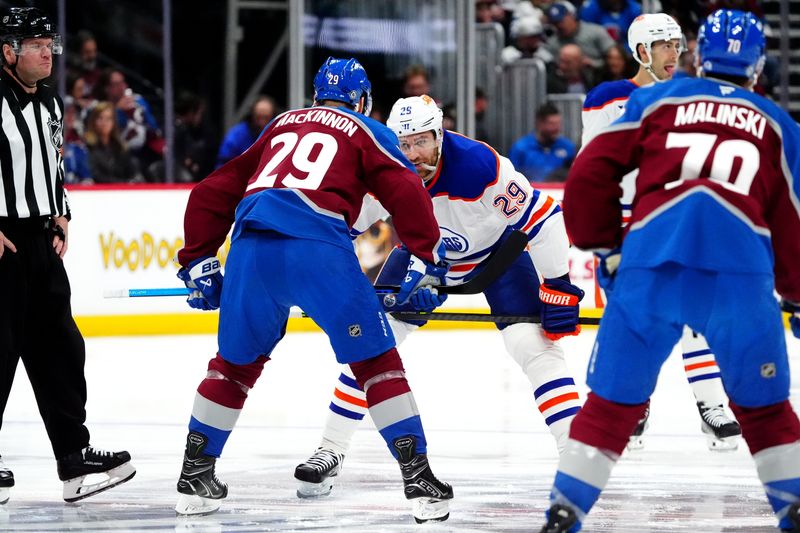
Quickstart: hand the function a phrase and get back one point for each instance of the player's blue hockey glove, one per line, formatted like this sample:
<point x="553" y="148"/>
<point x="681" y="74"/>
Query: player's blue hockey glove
<point x="426" y="299"/>
<point x="204" y="278"/>
<point x="421" y="274"/>
<point x="607" y="269"/>
<point x="794" y="318"/>
<point x="560" y="308"/>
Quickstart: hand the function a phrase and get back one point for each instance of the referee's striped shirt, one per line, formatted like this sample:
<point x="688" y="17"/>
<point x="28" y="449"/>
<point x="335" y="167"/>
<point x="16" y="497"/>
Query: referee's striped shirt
<point x="31" y="164"/>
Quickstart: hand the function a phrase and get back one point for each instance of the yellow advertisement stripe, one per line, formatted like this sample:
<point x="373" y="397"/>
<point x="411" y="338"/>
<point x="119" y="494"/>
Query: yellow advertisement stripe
<point x="206" y="323"/>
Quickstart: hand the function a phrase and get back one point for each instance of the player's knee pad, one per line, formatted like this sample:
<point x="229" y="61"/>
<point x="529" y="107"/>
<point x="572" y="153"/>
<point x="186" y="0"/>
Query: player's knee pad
<point x="243" y="377"/>
<point x="606" y="425"/>
<point x="384" y="367"/>
<point x="534" y="352"/>
<point x="768" y="426"/>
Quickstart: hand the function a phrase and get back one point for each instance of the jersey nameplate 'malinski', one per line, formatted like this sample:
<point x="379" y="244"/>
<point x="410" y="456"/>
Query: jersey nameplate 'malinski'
<point x="326" y="118"/>
<point x="735" y="116"/>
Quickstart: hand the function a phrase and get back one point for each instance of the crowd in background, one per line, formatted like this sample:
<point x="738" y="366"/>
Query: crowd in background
<point x="112" y="135"/>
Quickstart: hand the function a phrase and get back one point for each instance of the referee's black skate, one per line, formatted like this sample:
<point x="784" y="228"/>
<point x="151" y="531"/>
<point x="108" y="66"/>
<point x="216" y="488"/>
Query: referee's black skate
<point x="6" y="482"/>
<point x="73" y="469"/>
<point x="559" y="519"/>
<point x="201" y="491"/>
<point x="316" y="475"/>
<point x="722" y="431"/>
<point x="429" y="495"/>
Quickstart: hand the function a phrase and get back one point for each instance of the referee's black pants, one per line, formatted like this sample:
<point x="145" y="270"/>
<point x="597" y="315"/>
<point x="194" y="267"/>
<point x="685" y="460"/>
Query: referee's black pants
<point x="36" y="325"/>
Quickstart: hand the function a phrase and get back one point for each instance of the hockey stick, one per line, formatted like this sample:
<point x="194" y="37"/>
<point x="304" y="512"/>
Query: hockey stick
<point x="498" y="262"/>
<point x="142" y="293"/>
<point x="480" y="317"/>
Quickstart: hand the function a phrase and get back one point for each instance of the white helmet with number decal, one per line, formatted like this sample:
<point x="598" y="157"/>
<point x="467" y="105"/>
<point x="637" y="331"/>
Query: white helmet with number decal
<point x="649" y="28"/>
<point x="415" y="114"/>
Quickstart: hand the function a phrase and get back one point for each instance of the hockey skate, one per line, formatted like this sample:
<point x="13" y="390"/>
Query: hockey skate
<point x="6" y="482"/>
<point x="317" y="473"/>
<point x="794" y="516"/>
<point x="75" y="470"/>
<point x="559" y="519"/>
<point x="201" y="491"/>
<point x="722" y="432"/>
<point x="429" y="495"/>
<point x="636" y="442"/>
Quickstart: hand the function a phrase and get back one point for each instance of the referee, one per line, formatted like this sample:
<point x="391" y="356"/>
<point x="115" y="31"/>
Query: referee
<point x="36" y="322"/>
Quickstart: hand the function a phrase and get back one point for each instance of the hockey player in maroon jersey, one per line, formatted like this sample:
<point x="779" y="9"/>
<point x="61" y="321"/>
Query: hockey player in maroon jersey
<point x="293" y="197"/>
<point x="654" y="40"/>
<point x="713" y="234"/>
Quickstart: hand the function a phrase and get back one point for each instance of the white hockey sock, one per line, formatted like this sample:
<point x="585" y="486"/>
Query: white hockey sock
<point x="349" y="403"/>
<point x="553" y="387"/>
<point x="701" y="369"/>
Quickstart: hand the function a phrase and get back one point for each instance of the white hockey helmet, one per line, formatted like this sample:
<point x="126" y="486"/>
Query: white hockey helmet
<point x="649" y="28"/>
<point x="416" y="114"/>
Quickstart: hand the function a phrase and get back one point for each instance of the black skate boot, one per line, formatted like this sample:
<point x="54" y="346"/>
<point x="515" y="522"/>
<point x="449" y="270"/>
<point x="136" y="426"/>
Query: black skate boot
<point x="430" y="496"/>
<point x="794" y="516"/>
<point x="201" y="491"/>
<point x="73" y="469"/>
<point x="636" y="442"/>
<point x="6" y="482"/>
<point x="559" y="519"/>
<point x="722" y="432"/>
<point x="317" y="474"/>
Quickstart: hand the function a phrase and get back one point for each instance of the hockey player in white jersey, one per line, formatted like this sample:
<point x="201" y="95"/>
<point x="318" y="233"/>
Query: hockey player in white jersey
<point x="655" y="42"/>
<point x="478" y="199"/>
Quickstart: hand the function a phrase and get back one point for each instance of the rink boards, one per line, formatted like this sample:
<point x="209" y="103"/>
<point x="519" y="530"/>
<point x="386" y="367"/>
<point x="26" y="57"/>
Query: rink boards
<point x="124" y="237"/>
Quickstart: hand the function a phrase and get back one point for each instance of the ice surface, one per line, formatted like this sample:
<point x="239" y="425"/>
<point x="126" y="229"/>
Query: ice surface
<point x="485" y="437"/>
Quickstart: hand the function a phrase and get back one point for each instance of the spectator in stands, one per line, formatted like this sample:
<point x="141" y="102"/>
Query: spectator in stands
<point x="109" y="158"/>
<point x="85" y="65"/>
<point x="415" y="81"/>
<point x="192" y="142"/>
<point x="592" y="39"/>
<point x="76" y="99"/>
<point x="481" y="106"/>
<point x="192" y="146"/>
<point x="619" y="65"/>
<point x="137" y="125"/>
<point x="242" y="135"/>
<point x="485" y="11"/>
<point x="530" y="8"/>
<point x="570" y="74"/>
<point x="614" y="15"/>
<point x="76" y="156"/>
<point x="544" y="154"/>
<point x="527" y="34"/>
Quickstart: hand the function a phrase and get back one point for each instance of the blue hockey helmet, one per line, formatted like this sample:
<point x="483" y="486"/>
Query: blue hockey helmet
<point x="343" y="80"/>
<point x="731" y="42"/>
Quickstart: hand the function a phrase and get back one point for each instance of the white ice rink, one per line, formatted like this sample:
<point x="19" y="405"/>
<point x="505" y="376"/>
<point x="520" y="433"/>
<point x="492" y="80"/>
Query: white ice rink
<point x="485" y="437"/>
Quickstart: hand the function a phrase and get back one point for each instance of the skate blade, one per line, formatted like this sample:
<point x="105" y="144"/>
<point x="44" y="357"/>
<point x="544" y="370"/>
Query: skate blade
<point x="193" y="505"/>
<point x="727" y="444"/>
<point x="306" y="489"/>
<point x="5" y="495"/>
<point x="430" y="510"/>
<point x="75" y="489"/>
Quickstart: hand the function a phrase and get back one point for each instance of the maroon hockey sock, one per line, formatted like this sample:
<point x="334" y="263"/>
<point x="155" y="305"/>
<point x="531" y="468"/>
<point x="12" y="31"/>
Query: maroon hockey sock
<point x="606" y="425"/>
<point x="388" y="368"/>
<point x="765" y="427"/>
<point x="228" y="384"/>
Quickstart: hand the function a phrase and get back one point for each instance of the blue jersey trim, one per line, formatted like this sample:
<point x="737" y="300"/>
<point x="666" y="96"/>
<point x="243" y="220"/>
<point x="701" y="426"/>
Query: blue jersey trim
<point x="468" y="168"/>
<point x="606" y="92"/>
